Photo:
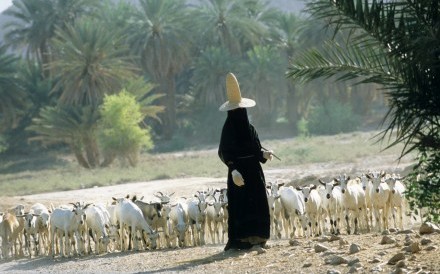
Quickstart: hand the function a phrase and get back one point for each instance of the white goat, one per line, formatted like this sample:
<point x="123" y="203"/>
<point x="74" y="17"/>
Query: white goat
<point x="294" y="208"/>
<point x="197" y="217"/>
<point x="43" y="219"/>
<point x="65" y="224"/>
<point x="97" y="224"/>
<point x="367" y="186"/>
<point x="30" y="232"/>
<point x="354" y="201"/>
<point x="214" y="220"/>
<point x="397" y="198"/>
<point x="335" y="206"/>
<point x="312" y="201"/>
<point x="130" y="216"/>
<point x="380" y="195"/>
<point x="275" y="208"/>
<point x="179" y="223"/>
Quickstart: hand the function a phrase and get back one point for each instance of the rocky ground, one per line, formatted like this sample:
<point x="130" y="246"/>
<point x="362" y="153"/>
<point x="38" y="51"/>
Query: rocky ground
<point x="394" y="251"/>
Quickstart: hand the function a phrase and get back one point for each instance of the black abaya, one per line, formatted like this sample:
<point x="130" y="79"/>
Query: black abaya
<point x="240" y="149"/>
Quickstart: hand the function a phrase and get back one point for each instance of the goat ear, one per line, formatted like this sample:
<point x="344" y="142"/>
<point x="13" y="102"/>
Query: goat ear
<point x="313" y="187"/>
<point x="280" y="184"/>
<point x="114" y="199"/>
<point x="299" y="188"/>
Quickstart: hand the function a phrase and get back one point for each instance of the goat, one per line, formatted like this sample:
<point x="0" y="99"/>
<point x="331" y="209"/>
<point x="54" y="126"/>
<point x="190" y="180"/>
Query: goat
<point x="65" y="222"/>
<point x="312" y="201"/>
<point x="380" y="195"/>
<point x="130" y="216"/>
<point x="353" y="200"/>
<point x="293" y="208"/>
<point x="333" y="195"/>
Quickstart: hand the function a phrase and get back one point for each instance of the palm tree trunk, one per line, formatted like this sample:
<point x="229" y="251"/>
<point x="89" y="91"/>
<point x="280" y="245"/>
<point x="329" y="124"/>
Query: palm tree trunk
<point x="79" y="157"/>
<point x="169" y="122"/>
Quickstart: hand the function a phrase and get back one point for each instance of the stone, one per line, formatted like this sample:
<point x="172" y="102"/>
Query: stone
<point x="431" y="248"/>
<point x="414" y="247"/>
<point x="375" y="260"/>
<point x="396" y="258"/>
<point x="425" y="241"/>
<point x="333" y="271"/>
<point x="393" y="230"/>
<point x="324" y="239"/>
<point x="406" y="231"/>
<point x="354" y="248"/>
<point x="335" y="260"/>
<point x="386" y="232"/>
<point x="428" y="228"/>
<point x="320" y="248"/>
<point x="387" y="240"/>
<point x="294" y="242"/>
<point x="307" y="265"/>
<point x="353" y="261"/>
<point x="335" y="238"/>
<point x="401" y="264"/>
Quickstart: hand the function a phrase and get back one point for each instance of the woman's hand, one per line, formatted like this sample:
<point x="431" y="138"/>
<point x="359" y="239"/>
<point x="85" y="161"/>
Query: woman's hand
<point x="237" y="178"/>
<point x="267" y="154"/>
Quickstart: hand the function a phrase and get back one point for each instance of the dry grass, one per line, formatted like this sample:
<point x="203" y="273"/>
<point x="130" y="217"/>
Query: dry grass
<point x="55" y="172"/>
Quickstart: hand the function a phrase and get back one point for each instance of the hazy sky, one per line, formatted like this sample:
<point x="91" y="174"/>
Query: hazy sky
<point x="4" y="4"/>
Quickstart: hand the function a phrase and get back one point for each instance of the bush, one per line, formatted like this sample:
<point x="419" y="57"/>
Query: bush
<point x="119" y="132"/>
<point x="332" y="117"/>
<point x="423" y="184"/>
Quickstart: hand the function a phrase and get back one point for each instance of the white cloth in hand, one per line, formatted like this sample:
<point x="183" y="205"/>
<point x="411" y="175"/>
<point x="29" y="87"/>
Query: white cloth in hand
<point x="268" y="155"/>
<point x="237" y="178"/>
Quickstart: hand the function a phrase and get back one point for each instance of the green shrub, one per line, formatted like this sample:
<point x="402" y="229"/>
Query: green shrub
<point x="119" y="132"/>
<point x="332" y="117"/>
<point x="423" y="187"/>
<point x="302" y="128"/>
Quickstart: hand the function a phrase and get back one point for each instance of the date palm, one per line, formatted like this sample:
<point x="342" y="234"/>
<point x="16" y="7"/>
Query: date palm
<point x="91" y="61"/>
<point x="394" y="44"/>
<point x="262" y="75"/>
<point x="35" y="21"/>
<point x="232" y="24"/>
<point x="159" y="35"/>
<point x="208" y="78"/>
<point x="13" y="98"/>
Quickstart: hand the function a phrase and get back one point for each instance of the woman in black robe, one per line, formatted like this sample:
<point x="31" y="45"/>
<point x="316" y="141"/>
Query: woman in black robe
<point x="241" y="151"/>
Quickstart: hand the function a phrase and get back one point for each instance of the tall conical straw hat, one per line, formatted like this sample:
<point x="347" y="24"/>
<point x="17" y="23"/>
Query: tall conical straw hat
<point x="234" y="95"/>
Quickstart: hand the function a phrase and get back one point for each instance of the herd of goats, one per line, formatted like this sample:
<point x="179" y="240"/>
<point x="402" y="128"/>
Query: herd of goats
<point x="366" y="203"/>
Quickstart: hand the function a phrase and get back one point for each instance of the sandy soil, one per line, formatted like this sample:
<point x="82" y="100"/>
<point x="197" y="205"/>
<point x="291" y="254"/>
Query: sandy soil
<point x="283" y="256"/>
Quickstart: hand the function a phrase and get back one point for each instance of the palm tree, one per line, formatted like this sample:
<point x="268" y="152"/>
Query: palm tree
<point x="286" y="34"/>
<point x="232" y="24"/>
<point x="35" y="22"/>
<point x="72" y="125"/>
<point x="91" y="61"/>
<point x="394" y="44"/>
<point x="262" y="75"/>
<point x="158" y="33"/>
<point x="13" y="98"/>
<point x="208" y="77"/>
